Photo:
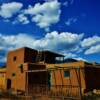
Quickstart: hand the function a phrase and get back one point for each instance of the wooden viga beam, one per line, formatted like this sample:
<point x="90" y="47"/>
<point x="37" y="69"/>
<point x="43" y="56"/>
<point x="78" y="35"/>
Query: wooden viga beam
<point x="52" y="69"/>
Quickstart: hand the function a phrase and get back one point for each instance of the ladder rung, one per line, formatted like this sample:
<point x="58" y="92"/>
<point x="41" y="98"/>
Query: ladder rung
<point x="39" y="55"/>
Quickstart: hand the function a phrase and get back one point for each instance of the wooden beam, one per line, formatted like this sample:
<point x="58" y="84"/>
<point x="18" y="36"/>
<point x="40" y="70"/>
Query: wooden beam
<point x="49" y="69"/>
<point x="80" y="83"/>
<point x="26" y="83"/>
<point x="93" y="66"/>
<point x="61" y="76"/>
<point x="54" y="77"/>
<point x="61" y="81"/>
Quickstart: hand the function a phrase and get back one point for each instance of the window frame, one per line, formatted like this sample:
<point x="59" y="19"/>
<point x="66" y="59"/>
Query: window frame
<point x="66" y="73"/>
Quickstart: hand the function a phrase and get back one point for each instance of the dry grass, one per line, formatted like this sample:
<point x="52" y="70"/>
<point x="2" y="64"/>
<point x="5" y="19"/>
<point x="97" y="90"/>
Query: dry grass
<point x="8" y="96"/>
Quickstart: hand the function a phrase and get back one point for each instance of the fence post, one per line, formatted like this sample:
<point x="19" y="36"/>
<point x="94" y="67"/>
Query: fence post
<point x="80" y="83"/>
<point x="26" y="83"/>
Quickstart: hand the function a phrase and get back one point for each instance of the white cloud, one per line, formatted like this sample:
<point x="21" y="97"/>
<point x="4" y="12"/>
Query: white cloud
<point x="70" y="21"/>
<point x="93" y="49"/>
<point x="15" y="41"/>
<point x="60" y="41"/>
<point x="53" y="41"/>
<point x="3" y="59"/>
<point x="80" y="59"/>
<point x="7" y="10"/>
<point x="21" y="18"/>
<point x="46" y="14"/>
<point x="90" y="41"/>
<point x="70" y="55"/>
<point x="91" y="45"/>
<point x="68" y="2"/>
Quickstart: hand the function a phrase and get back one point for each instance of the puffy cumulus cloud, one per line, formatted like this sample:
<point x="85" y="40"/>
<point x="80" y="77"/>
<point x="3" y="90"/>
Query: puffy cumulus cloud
<point x="46" y="14"/>
<point x="91" y="45"/>
<point x="80" y="59"/>
<point x="90" y="41"/>
<point x="93" y="49"/>
<point x="54" y="41"/>
<point x="21" y="18"/>
<point x="70" y="55"/>
<point x="7" y="10"/>
<point x="9" y="42"/>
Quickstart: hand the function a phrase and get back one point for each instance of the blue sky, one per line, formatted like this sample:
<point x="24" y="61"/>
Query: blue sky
<point x="70" y="27"/>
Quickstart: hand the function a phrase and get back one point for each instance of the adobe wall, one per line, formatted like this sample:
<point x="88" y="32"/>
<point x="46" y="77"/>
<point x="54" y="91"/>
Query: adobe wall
<point x="58" y="77"/>
<point x="14" y="59"/>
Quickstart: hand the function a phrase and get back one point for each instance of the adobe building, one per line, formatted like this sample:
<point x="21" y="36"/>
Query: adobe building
<point x="22" y="60"/>
<point x="28" y="68"/>
<point x="2" y="78"/>
<point x="80" y="73"/>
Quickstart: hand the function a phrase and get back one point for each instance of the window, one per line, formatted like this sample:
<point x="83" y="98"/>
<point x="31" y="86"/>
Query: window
<point x="13" y="74"/>
<point x="66" y="73"/>
<point x="21" y="68"/>
<point x="50" y="79"/>
<point x="14" y="59"/>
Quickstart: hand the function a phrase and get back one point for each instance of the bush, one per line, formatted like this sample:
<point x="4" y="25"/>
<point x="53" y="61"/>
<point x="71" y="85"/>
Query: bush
<point x="92" y="97"/>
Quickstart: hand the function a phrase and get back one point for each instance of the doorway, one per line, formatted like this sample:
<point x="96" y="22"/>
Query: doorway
<point x="8" y="83"/>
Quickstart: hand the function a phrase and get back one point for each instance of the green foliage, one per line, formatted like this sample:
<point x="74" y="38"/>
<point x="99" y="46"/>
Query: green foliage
<point x="92" y="97"/>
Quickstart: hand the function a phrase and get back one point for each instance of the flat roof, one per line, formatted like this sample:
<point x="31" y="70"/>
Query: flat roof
<point x="44" y="51"/>
<point x="53" y="53"/>
<point x="17" y="49"/>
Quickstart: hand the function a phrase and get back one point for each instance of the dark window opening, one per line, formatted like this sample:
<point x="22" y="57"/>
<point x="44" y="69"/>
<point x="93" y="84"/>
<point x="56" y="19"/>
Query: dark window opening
<point x="13" y="74"/>
<point x="8" y="83"/>
<point x="14" y="59"/>
<point x="49" y="79"/>
<point x="66" y="73"/>
<point x="21" y="68"/>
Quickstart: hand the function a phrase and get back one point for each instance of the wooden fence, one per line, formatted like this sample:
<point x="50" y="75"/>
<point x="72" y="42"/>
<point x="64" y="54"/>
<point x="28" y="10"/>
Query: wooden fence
<point x="56" y="91"/>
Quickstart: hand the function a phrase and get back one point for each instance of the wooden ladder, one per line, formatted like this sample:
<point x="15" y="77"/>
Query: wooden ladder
<point x="39" y="56"/>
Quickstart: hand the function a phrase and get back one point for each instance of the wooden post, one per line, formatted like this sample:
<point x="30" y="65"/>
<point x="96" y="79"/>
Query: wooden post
<point x="55" y="86"/>
<point x="54" y="76"/>
<point x="44" y="57"/>
<point x="71" y="85"/>
<point x="48" y="79"/>
<point x="61" y="80"/>
<point x="26" y="83"/>
<point x="79" y="83"/>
